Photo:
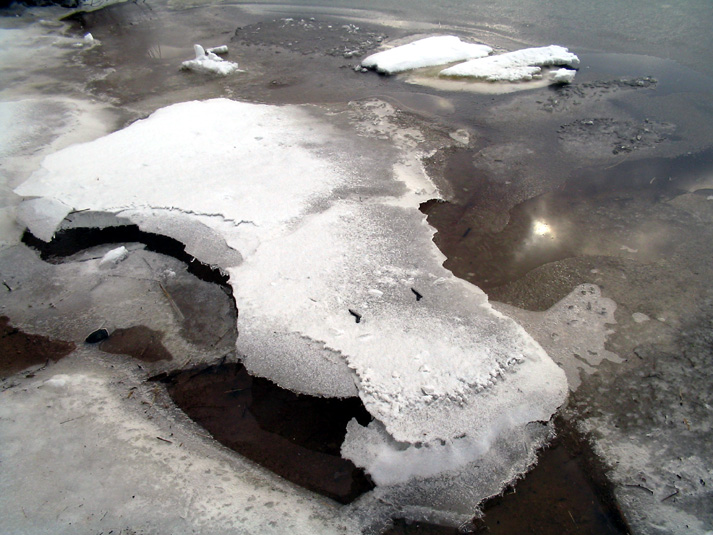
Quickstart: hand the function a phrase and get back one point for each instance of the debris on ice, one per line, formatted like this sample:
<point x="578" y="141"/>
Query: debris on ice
<point x="517" y="66"/>
<point x="427" y="52"/>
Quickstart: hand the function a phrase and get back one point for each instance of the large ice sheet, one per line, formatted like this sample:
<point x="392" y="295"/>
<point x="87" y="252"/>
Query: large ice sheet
<point x="427" y="52"/>
<point x="339" y="285"/>
<point x="520" y="65"/>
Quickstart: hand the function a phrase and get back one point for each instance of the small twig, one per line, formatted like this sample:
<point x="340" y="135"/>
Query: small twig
<point x="221" y="338"/>
<point x="72" y="419"/>
<point x="641" y="487"/>
<point x="7" y="286"/>
<point x="570" y="515"/>
<point x="671" y="495"/>
<point x="172" y="302"/>
<point x="164" y="440"/>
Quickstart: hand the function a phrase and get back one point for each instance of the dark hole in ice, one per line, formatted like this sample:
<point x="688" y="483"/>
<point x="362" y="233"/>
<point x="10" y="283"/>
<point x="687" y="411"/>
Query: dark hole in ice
<point x="96" y="336"/>
<point x="138" y="341"/>
<point x="296" y="436"/>
<point x="357" y="316"/>
<point x="70" y="241"/>
<point x="19" y="350"/>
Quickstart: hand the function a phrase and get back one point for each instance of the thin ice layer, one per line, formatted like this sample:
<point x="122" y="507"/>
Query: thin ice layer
<point x="336" y="267"/>
<point x="520" y="65"/>
<point x="426" y="52"/>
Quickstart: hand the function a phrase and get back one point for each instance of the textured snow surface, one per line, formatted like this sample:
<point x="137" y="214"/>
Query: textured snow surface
<point x="94" y="464"/>
<point x="520" y="65"/>
<point x="327" y="236"/>
<point x="426" y="52"/>
<point x="208" y="62"/>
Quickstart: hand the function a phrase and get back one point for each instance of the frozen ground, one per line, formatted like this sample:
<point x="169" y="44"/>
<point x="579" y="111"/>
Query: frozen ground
<point x="508" y="183"/>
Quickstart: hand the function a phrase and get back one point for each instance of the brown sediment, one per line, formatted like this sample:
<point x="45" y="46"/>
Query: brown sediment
<point x="19" y="350"/>
<point x="139" y="342"/>
<point x="296" y="436"/>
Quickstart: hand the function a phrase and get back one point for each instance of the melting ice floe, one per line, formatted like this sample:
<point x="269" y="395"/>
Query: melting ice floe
<point x="520" y="65"/>
<point x="426" y="52"/>
<point x="208" y="61"/>
<point x="327" y="235"/>
<point x="517" y="66"/>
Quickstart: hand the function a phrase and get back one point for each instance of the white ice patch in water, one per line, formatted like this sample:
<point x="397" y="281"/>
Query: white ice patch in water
<point x="334" y="262"/>
<point x="521" y="65"/>
<point x="207" y="62"/>
<point x="426" y="52"/>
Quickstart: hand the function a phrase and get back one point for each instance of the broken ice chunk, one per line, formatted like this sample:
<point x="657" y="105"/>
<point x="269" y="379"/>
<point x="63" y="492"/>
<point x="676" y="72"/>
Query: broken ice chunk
<point x="427" y="52"/>
<point x="563" y="76"/>
<point x="518" y="66"/>
<point x="208" y="62"/>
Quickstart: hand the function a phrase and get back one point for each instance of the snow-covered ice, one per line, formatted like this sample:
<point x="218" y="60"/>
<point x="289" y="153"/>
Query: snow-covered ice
<point x="520" y="65"/>
<point x="326" y="234"/>
<point x="438" y="50"/>
<point x="208" y="62"/>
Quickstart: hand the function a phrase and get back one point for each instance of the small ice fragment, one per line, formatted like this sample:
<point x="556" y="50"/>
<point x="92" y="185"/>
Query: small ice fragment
<point x="222" y="49"/>
<point x="89" y="39"/>
<point x="114" y="256"/>
<point x="640" y="317"/>
<point x="207" y="62"/>
<point x="375" y="292"/>
<point x="628" y="249"/>
<point x="563" y="76"/>
<point x="58" y="381"/>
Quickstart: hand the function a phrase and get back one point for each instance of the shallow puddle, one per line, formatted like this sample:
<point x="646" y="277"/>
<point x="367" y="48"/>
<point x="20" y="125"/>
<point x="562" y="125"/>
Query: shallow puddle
<point x="139" y="341"/>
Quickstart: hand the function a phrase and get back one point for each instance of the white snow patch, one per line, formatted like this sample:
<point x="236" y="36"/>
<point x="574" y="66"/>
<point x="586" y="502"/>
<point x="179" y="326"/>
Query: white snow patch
<point x="114" y="256"/>
<point x="521" y="65"/>
<point x="207" y="62"/>
<point x="426" y="52"/>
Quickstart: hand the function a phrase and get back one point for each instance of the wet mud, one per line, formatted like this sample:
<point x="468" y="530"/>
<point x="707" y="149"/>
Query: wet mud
<point x="296" y="436"/>
<point x="20" y="351"/>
